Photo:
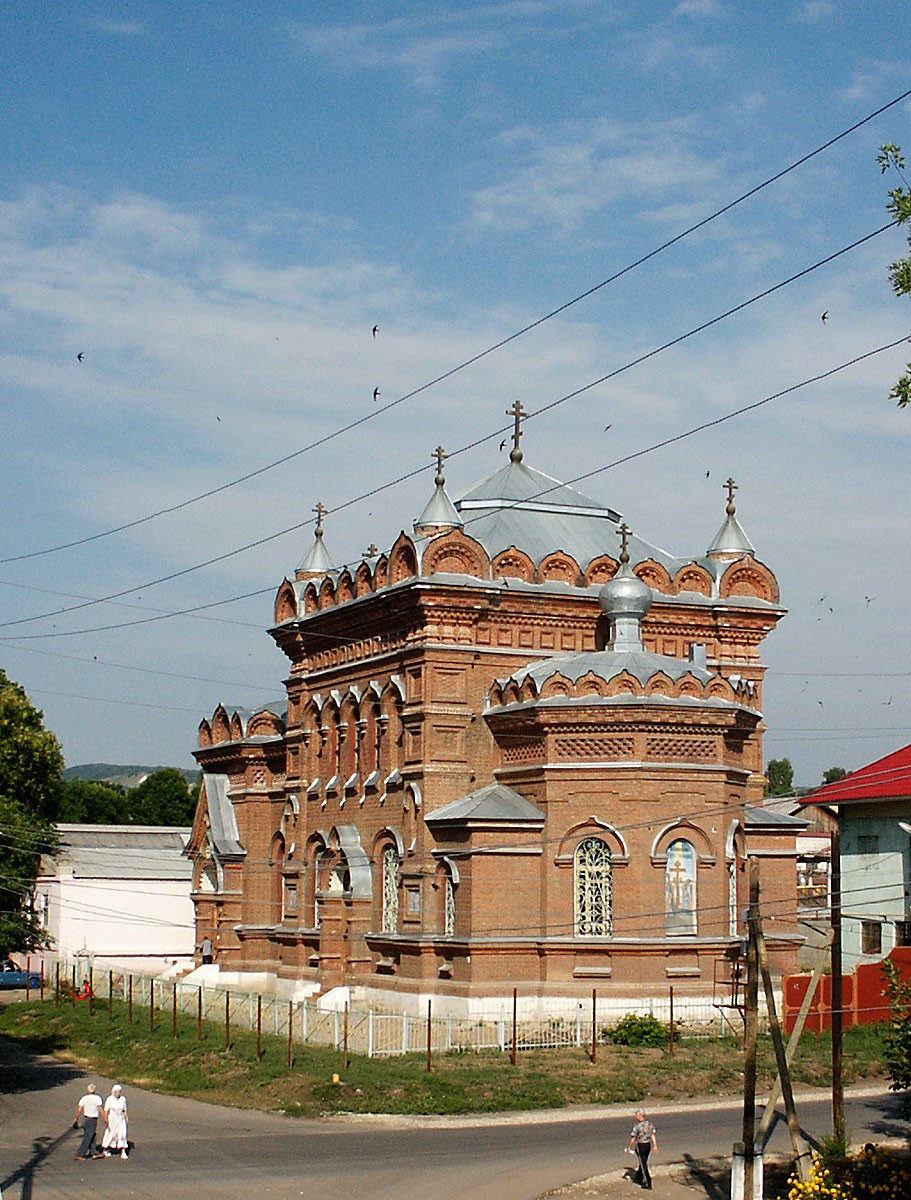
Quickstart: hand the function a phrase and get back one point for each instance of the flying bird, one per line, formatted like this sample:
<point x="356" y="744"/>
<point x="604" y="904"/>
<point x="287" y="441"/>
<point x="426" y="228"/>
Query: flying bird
<point x="376" y="393"/>
<point x="824" y="317"/>
<point x="80" y="356"/>
<point x="606" y="427"/>
<point x="707" y="474"/>
<point x="503" y="444"/>
<point x="376" y="330"/>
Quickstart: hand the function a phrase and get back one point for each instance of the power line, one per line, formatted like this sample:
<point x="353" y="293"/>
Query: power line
<point x="377" y="412"/>
<point x="479" y="441"/>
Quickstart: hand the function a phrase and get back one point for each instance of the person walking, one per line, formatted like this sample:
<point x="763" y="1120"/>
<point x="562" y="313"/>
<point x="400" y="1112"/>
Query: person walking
<point x="89" y="1109"/>
<point x="205" y="950"/>
<point x="642" y="1141"/>
<point x="116" y="1136"/>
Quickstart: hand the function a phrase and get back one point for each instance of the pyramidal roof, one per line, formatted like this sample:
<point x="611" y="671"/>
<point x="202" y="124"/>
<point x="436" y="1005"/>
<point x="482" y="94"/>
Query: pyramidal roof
<point x="888" y="778"/>
<point x="519" y="506"/>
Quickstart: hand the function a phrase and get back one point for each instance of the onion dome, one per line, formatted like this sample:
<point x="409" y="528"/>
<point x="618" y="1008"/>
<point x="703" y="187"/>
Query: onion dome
<point x="730" y="541"/>
<point x="440" y="515"/>
<point x="625" y="600"/>
<point x="317" y="562"/>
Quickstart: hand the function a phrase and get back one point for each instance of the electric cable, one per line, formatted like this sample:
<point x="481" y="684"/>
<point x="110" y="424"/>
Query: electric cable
<point x="374" y="413"/>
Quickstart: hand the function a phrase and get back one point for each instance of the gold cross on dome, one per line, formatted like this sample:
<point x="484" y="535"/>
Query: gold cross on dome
<point x="732" y="488"/>
<point x="320" y="511"/>
<point x="623" y="533"/>
<point x="517" y="412"/>
<point x="440" y="454"/>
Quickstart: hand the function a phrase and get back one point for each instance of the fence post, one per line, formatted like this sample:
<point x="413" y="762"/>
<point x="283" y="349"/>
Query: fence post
<point x="131" y="998"/>
<point x="199" y="1014"/>
<point x="174" y="1010"/>
<point x="227" y="1020"/>
<point x="74" y="985"/>
<point x="404" y="1033"/>
<point x="594" y="1024"/>
<point x="345" y="1057"/>
<point x="42" y="979"/>
<point x="259" y="1028"/>
<point x="290" y="1034"/>
<point x="671" y="1046"/>
<point x="57" y="985"/>
<point x="429" y="1037"/>
<point x="515" y="1002"/>
<point x="152" y="1006"/>
<point x="370" y="1033"/>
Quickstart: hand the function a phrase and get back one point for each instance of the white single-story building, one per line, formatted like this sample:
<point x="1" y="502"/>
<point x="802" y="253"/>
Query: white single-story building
<point x="119" y="896"/>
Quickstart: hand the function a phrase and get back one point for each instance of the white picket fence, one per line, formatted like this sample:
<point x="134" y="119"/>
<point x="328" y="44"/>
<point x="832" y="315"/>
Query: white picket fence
<point x="372" y="1032"/>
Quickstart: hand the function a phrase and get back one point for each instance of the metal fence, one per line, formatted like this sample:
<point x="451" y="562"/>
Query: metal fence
<point x="367" y="1031"/>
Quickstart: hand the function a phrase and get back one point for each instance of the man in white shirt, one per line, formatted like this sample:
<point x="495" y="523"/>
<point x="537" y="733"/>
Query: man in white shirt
<point x="90" y="1108"/>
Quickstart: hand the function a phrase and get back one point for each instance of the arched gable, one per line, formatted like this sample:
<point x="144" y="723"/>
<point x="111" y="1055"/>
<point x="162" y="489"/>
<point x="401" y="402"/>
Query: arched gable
<point x="660" y="684"/>
<point x="513" y="564"/>
<point x="686" y="831"/>
<point x="601" y="570"/>
<point x="221" y="726"/>
<point x="363" y="580"/>
<point x="265" y="724"/>
<point x="285" y="602"/>
<point x="344" y="588"/>
<point x="327" y="593"/>
<point x="556" y="685"/>
<point x="747" y="577"/>
<point x="653" y="574"/>
<point x="595" y="827"/>
<point x="693" y="578"/>
<point x="559" y="567"/>
<point x="591" y="685"/>
<point x="455" y="553"/>
<point x="403" y="560"/>
<point x="381" y="572"/>
<point x="204" y="736"/>
<point x="624" y="684"/>
<point x="311" y="598"/>
<point x="237" y="728"/>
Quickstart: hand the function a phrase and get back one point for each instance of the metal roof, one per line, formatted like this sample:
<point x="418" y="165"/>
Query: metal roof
<point x="887" y="778"/>
<point x="519" y="506"/>
<point x="496" y="802"/>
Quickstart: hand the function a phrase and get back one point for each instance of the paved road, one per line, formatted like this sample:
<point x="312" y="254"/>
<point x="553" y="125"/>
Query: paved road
<point x="188" y="1149"/>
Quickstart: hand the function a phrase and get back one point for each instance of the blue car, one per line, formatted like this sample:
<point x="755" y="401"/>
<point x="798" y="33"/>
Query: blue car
<point x="12" y="977"/>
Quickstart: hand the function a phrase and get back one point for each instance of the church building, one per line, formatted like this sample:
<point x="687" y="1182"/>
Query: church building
<point x="522" y="749"/>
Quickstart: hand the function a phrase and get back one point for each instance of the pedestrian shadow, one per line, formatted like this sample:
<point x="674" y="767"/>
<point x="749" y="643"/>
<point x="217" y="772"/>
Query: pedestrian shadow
<point x="42" y="1148"/>
<point x="23" y="1069"/>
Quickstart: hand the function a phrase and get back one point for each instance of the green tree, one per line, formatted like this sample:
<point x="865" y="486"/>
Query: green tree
<point x="833" y="774"/>
<point x="779" y="777"/>
<point x="30" y="790"/>
<point x="898" y="1041"/>
<point x="890" y="158"/>
<point x="88" y="801"/>
<point x="163" y="798"/>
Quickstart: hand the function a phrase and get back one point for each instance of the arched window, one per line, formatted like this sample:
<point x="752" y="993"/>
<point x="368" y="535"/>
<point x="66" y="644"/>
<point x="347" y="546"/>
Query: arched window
<point x="321" y="866"/>
<point x="391" y="864"/>
<point x="680" y="888"/>
<point x="592" y="882"/>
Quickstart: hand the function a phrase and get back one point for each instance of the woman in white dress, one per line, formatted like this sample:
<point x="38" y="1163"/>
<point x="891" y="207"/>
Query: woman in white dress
<point x="116" y="1135"/>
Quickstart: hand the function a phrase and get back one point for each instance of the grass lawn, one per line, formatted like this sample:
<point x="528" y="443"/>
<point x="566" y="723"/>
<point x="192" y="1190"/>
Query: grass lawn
<point x="471" y="1082"/>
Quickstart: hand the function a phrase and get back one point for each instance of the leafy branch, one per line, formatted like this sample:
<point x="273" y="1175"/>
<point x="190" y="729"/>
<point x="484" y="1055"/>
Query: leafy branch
<point x="890" y="158"/>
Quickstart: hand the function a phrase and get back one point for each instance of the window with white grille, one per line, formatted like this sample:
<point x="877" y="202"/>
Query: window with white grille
<point x="593" y="884"/>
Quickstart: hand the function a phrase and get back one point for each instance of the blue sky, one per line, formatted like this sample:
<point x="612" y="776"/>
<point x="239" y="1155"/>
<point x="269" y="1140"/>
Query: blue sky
<point x="215" y="202"/>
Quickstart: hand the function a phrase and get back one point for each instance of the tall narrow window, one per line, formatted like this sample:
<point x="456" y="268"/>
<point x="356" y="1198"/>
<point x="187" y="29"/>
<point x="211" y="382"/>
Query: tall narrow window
<point x="593" y="882"/>
<point x="732" y="898"/>
<point x="391" y="864"/>
<point x="680" y="888"/>
<point x="449" y="903"/>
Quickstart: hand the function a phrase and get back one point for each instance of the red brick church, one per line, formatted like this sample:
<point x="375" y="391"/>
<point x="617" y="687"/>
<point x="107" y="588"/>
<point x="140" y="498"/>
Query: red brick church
<point x="522" y="748"/>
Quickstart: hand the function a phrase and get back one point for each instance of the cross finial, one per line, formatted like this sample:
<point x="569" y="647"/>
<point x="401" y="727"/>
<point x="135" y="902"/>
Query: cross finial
<point x="440" y="454"/>
<point x="517" y="412"/>
<point x="372" y="551"/>
<point x="732" y="488"/>
<point x="623" y="533"/>
<point x="320" y="511"/>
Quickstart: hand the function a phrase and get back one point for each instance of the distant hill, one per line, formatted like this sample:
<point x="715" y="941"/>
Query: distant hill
<point x="127" y="776"/>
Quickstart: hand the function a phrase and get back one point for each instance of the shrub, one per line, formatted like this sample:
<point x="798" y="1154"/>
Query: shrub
<point x="869" y="1174"/>
<point x="634" y="1030"/>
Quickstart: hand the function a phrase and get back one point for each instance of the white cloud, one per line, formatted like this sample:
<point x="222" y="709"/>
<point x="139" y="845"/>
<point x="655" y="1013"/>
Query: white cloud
<point x="572" y="174"/>
<point x="813" y="11"/>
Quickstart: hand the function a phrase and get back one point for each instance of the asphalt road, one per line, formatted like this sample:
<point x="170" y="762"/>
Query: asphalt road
<point x="188" y="1149"/>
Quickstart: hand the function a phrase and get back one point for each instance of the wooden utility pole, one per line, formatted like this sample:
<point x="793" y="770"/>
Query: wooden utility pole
<point x="838" y="1087"/>
<point x="798" y="1145"/>
<point x="750" y="1035"/>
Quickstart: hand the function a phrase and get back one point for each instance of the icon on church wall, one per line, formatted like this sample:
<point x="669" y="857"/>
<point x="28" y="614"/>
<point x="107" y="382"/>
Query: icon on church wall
<point x="680" y="888"/>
